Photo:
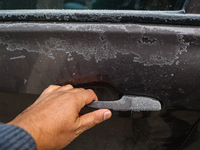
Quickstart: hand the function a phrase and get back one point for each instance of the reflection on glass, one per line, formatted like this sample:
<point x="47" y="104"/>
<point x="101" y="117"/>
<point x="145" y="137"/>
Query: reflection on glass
<point x="93" y="4"/>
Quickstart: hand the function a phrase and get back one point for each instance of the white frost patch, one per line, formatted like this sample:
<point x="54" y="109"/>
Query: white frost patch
<point x="17" y="57"/>
<point x="25" y="81"/>
<point x="149" y="49"/>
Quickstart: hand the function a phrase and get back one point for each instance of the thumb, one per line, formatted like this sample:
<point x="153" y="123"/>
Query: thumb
<point x="91" y="119"/>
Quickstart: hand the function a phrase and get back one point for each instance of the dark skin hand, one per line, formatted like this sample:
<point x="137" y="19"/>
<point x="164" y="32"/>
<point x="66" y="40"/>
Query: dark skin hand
<point x="54" y="120"/>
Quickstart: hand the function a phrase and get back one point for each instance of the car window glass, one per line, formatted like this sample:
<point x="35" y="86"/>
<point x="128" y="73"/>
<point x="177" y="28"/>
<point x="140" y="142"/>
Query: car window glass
<point x="93" y="4"/>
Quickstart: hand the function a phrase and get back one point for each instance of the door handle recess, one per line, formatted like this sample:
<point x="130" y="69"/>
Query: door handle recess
<point x="129" y="103"/>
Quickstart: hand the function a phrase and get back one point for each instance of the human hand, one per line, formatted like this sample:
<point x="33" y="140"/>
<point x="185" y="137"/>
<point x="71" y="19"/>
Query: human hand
<point x="54" y="120"/>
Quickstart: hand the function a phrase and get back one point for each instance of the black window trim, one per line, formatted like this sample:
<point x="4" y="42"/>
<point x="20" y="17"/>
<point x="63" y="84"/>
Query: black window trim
<point x="106" y="16"/>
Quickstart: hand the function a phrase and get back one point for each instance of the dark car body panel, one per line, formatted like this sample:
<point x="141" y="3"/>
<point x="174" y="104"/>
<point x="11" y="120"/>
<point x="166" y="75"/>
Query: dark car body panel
<point x="154" y="54"/>
<point x="157" y="61"/>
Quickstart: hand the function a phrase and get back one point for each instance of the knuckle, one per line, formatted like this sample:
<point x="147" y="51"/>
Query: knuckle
<point x="69" y="86"/>
<point x="90" y="91"/>
<point x="78" y="89"/>
<point x="51" y="87"/>
<point x="92" y="94"/>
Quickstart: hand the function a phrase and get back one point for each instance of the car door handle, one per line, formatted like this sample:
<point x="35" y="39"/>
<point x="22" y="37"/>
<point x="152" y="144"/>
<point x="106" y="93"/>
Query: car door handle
<point x="129" y="103"/>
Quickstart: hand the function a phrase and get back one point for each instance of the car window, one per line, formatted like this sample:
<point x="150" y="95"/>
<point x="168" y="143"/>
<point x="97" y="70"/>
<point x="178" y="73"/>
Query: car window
<point x="94" y="4"/>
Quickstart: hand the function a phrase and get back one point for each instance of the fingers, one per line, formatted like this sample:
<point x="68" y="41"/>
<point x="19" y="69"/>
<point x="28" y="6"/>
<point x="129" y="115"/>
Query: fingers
<point x="53" y="88"/>
<point x="89" y="120"/>
<point x="65" y="88"/>
<point x="81" y="96"/>
<point x="50" y="89"/>
<point x="85" y="97"/>
<point x="76" y="90"/>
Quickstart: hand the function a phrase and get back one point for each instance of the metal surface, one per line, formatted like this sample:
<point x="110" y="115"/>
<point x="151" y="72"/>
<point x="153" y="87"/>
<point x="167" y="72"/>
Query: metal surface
<point x="102" y="16"/>
<point x="115" y="16"/>
<point x="129" y="103"/>
<point x="159" y="60"/>
<point x="164" y="130"/>
<point x="162" y="61"/>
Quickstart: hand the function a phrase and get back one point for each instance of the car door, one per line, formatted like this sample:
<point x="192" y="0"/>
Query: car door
<point x="137" y="48"/>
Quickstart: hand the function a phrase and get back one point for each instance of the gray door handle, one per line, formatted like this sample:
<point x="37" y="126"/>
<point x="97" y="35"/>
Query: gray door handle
<point x="129" y="103"/>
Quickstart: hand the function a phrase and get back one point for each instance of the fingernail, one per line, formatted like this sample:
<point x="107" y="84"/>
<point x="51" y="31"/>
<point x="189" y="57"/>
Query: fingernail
<point x="107" y="115"/>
